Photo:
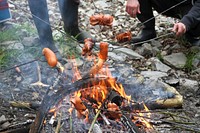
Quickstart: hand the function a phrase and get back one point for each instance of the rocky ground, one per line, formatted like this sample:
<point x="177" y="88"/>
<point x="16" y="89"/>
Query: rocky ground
<point x="166" y="59"/>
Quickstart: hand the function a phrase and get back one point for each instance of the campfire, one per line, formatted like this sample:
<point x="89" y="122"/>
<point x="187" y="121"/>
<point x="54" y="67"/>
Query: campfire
<point x="93" y="98"/>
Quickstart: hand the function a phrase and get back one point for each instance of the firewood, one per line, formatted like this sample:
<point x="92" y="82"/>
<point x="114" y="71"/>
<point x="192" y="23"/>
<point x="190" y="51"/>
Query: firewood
<point x="59" y="123"/>
<point x="27" y="105"/>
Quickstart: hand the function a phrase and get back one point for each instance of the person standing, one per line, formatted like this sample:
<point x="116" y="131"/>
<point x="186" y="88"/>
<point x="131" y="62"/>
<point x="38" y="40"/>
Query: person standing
<point x="188" y="13"/>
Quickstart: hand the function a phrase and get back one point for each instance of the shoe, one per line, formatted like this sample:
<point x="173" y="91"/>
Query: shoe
<point x="144" y="35"/>
<point x="83" y="35"/>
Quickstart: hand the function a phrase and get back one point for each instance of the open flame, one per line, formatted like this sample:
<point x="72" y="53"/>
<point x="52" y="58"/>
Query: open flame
<point x="97" y="92"/>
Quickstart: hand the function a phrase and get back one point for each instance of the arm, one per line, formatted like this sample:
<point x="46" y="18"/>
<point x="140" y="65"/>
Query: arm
<point x="190" y="20"/>
<point x="133" y="7"/>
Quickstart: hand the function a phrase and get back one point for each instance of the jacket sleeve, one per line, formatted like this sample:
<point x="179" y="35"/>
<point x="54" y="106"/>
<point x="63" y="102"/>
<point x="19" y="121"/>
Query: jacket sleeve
<point x="192" y="18"/>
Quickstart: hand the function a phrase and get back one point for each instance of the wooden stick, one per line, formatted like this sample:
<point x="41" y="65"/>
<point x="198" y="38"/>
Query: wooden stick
<point x="59" y="123"/>
<point x="94" y="120"/>
<point x="27" y="105"/>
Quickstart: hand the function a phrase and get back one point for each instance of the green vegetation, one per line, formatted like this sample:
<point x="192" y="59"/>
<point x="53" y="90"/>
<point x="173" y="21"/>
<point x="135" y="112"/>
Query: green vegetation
<point x="8" y="35"/>
<point x="67" y="45"/>
<point x="8" y="56"/>
<point x="159" y="56"/>
<point x="191" y="55"/>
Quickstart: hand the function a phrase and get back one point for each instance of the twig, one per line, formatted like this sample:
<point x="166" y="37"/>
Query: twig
<point x="105" y="119"/>
<point x="59" y="124"/>
<point x="27" y="105"/>
<point x="94" y="120"/>
<point x="196" y="130"/>
<point x="97" y="114"/>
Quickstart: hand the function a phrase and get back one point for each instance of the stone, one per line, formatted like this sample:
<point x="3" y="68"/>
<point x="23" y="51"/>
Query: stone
<point x="117" y="57"/>
<point x="30" y="41"/>
<point x="132" y="54"/>
<point x="156" y="44"/>
<point x="158" y="65"/>
<point x="190" y="84"/>
<point x="153" y="74"/>
<point x="146" y="49"/>
<point x="177" y="60"/>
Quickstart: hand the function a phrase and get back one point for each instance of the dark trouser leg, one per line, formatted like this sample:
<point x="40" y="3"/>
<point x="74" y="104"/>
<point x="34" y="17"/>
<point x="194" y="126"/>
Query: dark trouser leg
<point x="148" y="30"/>
<point x="160" y="6"/>
<point x="41" y="19"/>
<point x="69" y="12"/>
<point x="178" y="12"/>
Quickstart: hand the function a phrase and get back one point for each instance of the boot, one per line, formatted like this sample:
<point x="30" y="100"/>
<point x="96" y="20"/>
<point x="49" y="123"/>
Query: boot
<point x="144" y="35"/>
<point x="69" y="12"/>
<point x="41" y="19"/>
<point x="148" y="32"/>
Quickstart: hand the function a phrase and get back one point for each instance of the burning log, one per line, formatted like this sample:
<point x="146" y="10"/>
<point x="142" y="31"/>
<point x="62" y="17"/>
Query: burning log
<point x="52" y="99"/>
<point x="129" y="124"/>
<point x="124" y="37"/>
<point x="101" y="19"/>
<point x="114" y="97"/>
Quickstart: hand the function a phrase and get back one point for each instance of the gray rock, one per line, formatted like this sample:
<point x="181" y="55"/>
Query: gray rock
<point x="176" y="60"/>
<point x="172" y="81"/>
<point x="188" y="83"/>
<point x="176" y="46"/>
<point x="29" y="41"/>
<point x="132" y="54"/>
<point x="167" y="47"/>
<point x="158" y="65"/>
<point x="146" y="49"/>
<point x="155" y="51"/>
<point x="153" y="74"/>
<point x="117" y="57"/>
<point x="156" y="44"/>
<point x="163" y="53"/>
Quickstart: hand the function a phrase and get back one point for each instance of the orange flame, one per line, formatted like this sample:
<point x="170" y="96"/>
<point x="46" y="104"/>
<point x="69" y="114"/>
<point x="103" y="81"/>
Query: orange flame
<point x="142" y="119"/>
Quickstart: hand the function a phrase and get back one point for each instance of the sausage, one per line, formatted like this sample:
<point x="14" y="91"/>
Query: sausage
<point x="50" y="57"/>
<point x="124" y="37"/>
<point x="103" y="54"/>
<point x="101" y="19"/>
<point x="88" y="45"/>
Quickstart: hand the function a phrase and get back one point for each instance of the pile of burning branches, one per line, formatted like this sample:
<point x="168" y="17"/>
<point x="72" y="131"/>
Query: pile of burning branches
<point x="95" y="97"/>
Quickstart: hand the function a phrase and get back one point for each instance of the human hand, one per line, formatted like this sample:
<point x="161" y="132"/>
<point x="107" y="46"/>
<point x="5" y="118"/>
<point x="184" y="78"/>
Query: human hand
<point x="179" y="29"/>
<point x="133" y="7"/>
